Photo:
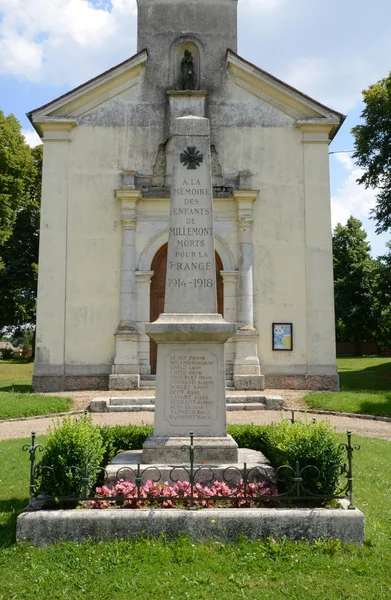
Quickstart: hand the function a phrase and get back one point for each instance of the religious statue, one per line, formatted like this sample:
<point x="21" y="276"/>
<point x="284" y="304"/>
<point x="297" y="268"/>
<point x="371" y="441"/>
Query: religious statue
<point x="187" y="69"/>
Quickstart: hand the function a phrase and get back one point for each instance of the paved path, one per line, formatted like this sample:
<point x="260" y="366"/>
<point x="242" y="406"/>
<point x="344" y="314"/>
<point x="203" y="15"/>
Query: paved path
<point x="380" y="429"/>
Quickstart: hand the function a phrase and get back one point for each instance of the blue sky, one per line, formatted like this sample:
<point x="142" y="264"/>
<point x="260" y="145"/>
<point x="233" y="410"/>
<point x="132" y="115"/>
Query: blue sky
<point x="331" y="51"/>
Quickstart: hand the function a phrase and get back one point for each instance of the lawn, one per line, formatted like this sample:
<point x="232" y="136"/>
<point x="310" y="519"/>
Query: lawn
<point x="15" y="375"/>
<point x="180" y="570"/>
<point x="16" y="399"/>
<point x="365" y="388"/>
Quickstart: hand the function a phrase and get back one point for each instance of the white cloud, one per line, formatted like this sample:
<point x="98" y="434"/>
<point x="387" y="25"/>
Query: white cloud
<point x="336" y="83"/>
<point x="32" y="138"/>
<point x="19" y="56"/>
<point x="351" y="198"/>
<point x="64" y="41"/>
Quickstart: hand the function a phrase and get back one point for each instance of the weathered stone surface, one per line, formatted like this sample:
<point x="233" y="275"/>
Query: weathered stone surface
<point x="212" y="450"/>
<point x="249" y="382"/>
<point x="124" y="382"/>
<point x="55" y="383"/>
<point x="303" y="382"/>
<point x="46" y="527"/>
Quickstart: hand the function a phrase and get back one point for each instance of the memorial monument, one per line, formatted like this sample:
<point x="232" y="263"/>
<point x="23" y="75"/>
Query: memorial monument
<point x="110" y="147"/>
<point x="190" y="385"/>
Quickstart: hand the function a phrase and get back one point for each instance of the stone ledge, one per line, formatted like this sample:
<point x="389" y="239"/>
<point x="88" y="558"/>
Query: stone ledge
<point x="302" y="382"/>
<point x="47" y="527"/>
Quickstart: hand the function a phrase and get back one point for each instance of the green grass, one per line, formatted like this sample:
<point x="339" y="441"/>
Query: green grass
<point x="16" y="399"/>
<point x="181" y="570"/>
<point x="365" y="388"/>
<point x="15" y="375"/>
<point x="13" y="405"/>
<point x="365" y="373"/>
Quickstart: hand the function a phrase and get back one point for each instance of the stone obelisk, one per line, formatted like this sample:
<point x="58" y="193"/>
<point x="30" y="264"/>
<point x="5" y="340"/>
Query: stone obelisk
<point x="190" y="382"/>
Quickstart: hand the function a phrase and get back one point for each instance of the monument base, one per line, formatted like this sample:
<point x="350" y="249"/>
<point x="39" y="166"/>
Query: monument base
<point x="209" y="450"/>
<point x="125" y="466"/>
<point x="124" y="382"/>
<point x="249" y="382"/>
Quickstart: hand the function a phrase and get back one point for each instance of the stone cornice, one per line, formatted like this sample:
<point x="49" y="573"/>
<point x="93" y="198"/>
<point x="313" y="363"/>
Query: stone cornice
<point x="55" y="130"/>
<point x="315" y="131"/>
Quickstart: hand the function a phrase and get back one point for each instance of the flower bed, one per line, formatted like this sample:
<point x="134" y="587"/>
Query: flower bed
<point x="126" y="494"/>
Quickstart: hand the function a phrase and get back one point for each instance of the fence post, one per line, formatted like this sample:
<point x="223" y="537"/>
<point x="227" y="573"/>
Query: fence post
<point x="32" y="450"/>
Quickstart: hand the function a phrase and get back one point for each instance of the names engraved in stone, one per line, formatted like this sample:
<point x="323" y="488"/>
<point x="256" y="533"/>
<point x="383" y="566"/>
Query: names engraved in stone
<point x="191" y="388"/>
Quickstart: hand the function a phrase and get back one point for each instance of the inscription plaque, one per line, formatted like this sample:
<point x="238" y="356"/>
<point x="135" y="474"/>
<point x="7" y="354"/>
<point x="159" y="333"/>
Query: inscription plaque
<point x="191" y="387"/>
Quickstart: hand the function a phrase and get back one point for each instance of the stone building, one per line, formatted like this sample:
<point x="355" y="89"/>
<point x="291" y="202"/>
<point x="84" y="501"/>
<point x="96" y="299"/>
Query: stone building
<point x="105" y="210"/>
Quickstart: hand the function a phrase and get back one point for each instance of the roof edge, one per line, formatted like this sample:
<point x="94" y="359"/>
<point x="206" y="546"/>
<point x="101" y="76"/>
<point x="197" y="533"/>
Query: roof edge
<point x="139" y="55"/>
<point x="341" y="117"/>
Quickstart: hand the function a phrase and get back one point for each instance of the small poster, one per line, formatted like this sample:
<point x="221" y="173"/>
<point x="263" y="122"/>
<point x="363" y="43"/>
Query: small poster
<point x="282" y="336"/>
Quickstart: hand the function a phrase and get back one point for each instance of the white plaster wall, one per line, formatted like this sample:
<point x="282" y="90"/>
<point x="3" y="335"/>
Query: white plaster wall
<point x="291" y="232"/>
<point x="52" y="259"/>
<point x="292" y="243"/>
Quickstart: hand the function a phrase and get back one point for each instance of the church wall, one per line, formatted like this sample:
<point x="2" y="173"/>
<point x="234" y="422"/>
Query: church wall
<point x="292" y="244"/>
<point x="52" y="263"/>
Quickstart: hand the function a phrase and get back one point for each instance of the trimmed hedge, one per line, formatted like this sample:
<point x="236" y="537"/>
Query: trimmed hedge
<point x="71" y="444"/>
<point x="312" y="444"/>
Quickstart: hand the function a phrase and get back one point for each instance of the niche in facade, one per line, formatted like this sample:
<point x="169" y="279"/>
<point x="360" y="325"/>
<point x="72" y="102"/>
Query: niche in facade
<point x="186" y="67"/>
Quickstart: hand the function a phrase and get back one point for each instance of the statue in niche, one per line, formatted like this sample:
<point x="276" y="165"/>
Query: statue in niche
<point x="187" y="70"/>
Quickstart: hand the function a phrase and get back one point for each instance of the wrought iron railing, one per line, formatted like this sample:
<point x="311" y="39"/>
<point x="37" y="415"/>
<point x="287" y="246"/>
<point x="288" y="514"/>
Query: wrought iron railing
<point x="244" y="485"/>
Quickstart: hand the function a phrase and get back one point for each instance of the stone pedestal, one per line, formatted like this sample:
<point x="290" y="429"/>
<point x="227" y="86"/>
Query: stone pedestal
<point x="190" y="382"/>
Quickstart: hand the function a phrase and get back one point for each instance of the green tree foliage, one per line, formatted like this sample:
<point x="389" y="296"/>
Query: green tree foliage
<point x="16" y="165"/>
<point x="373" y="148"/>
<point x="383" y="298"/>
<point x="20" y="192"/>
<point x="354" y="284"/>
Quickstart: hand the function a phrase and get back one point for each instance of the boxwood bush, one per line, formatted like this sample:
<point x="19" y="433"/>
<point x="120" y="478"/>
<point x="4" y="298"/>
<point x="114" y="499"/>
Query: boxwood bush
<point x="71" y="444"/>
<point x="310" y="443"/>
<point x="74" y="442"/>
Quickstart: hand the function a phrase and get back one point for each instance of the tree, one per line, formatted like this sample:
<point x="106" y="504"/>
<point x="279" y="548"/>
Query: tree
<point x="383" y="298"/>
<point x="16" y="165"/>
<point x="373" y="148"/>
<point x="20" y="188"/>
<point x="354" y="284"/>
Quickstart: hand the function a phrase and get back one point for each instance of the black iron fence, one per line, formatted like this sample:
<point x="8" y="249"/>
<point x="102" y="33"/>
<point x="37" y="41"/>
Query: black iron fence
<point x="143" y="487"/>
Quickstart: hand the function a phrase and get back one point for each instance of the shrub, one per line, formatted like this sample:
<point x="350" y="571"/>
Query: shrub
<point x="310" y="443"/>
<point x="6" y="353"/>
<point x="250" y="436"/>
<point x="121" y="438"/>
<point x="71" y="444"/>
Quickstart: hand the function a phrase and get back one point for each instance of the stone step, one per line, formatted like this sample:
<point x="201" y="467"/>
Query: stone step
<point x="151" y="407"/>
<point x="149" y="383"/>
<point x="147" y="403"/>
<point x="148" y="399"/>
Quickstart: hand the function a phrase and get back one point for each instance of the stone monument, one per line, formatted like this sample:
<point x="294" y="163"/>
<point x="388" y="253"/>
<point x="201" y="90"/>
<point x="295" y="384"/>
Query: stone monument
<point x="190" y="385"/>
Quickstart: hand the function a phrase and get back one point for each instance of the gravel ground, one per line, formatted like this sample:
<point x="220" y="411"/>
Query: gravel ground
<point x="292" y="399"/>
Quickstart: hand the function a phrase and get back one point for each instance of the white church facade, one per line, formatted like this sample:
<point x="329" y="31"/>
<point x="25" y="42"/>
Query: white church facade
<point x="106" y="203"/>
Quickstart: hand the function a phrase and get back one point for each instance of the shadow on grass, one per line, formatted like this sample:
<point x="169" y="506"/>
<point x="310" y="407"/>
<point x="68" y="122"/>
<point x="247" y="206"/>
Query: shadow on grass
<point x="382" y="409"/>
<point x="373" y="378"/>
<point x="18" y="388"/>
<point x="10" y="508"/>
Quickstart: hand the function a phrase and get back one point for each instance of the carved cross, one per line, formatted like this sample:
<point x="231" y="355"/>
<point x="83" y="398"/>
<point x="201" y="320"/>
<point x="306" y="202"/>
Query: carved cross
<point x="191" y="158"/>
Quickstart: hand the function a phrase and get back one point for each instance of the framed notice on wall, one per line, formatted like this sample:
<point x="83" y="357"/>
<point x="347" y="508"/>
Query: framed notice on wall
<point x="282" y="336"/>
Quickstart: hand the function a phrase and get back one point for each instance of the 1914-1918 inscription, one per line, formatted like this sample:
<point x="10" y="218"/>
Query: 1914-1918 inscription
<point x="191" y="380"/>
<point x="193" y="212"/>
